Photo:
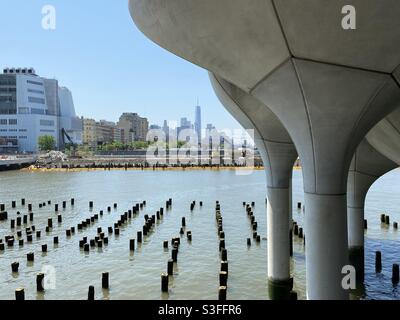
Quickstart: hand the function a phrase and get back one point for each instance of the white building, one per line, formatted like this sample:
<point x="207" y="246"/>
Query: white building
<point x="68" y="118"/>
<point x="32" y="106"/>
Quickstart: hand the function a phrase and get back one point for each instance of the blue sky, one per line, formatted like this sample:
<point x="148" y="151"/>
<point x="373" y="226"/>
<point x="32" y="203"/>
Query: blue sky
<point x="107" y="63"/>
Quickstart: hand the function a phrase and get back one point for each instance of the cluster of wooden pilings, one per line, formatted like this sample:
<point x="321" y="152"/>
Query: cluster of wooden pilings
<point x="223" y="273"/>
<point x="85" y="244"/>
<point x="253" y="223"/>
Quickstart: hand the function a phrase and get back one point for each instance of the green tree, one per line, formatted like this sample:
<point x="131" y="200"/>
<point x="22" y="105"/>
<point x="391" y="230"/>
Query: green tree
<point x="46" y="143"/>
<point x="140" y="144"/>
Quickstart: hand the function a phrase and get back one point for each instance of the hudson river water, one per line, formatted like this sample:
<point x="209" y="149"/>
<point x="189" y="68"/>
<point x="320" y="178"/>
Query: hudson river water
<point x="137" y="275"/>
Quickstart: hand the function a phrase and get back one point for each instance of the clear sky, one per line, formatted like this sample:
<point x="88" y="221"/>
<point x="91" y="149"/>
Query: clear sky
<point x="108" y="64"/>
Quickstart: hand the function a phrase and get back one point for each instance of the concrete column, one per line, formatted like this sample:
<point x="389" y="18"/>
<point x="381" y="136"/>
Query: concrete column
<point x="326" y="246"/>
<point x="279" y="282"/>
<point x="366" y="167"/>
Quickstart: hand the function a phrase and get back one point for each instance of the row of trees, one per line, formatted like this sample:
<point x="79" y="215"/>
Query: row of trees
<point x="136" y="145"/>
<point x="119" y="146"/>
<point x="48" y="143"/>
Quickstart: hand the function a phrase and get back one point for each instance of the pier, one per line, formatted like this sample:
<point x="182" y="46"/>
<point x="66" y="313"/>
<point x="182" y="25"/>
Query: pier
<point x="326" y="88"/>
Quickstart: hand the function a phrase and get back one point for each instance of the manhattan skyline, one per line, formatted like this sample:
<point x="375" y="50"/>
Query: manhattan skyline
<point x="107" y="63"/>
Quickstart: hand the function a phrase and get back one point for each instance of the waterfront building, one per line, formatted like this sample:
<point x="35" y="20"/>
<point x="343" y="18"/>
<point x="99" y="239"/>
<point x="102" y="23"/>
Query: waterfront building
<point x="133" y="127"/>
<point x="89" y="132"/>
<point x="105" y="132"/>
<point x="100" y="132"/>
<point x="32" y="106"/>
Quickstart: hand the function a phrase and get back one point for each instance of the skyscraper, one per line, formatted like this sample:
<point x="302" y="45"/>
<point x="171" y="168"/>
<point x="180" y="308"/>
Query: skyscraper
<point x="197" y="122"/>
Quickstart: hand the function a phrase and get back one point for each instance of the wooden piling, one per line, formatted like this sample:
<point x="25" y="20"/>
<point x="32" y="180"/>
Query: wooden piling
<point x="30" y="256"/>
<point x="224" y="266"/>
<point x="222" y="293"/>
<point x="39" y="282"/>
<point x="91" y="293"/>
<point x="170" y="267"/>
<point x="224" y="255"/>
<point x="164" y="282"/>
<point x="395" y="273"/>
<point x="223" y="278"/>
<point x="221" y="244"/>
<point x="14" y="267"/>
<point x="19" y="294"/>
<point x="105" y="280"/>
<point x="175" y="254"/>
<point x="378" y="261"/>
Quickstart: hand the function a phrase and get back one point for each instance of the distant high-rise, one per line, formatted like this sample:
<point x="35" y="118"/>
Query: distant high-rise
<point x="166" y="130"/>
<point x="197" y="123"/>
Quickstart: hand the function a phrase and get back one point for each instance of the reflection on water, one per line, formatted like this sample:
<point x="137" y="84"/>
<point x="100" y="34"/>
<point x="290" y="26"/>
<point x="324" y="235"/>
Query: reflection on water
<point x="136" y="275"/>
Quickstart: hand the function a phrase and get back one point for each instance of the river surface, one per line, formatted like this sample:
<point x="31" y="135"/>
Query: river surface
<point x="136" y="275"/>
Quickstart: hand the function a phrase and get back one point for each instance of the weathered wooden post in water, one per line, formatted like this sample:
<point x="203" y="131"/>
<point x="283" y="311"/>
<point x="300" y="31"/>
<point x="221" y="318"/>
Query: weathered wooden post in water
<point x="20" y="294"/>
<point x="164" y="282"/>
<point x="105" y="280"/>
<point x="378" y="261"/>
<point x="39" y="282"/>
<point x="91" y="293"/>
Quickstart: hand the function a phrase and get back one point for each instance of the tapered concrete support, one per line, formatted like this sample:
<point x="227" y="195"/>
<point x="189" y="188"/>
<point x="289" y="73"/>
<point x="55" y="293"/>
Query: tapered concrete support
<point x="385" y="136"/>
<point x="365" y="168"/>
<point x="278" y="154"/>
<point x="279" y="282"/>
<point x="326" y="135"/>
<point x="326" y="249"/>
